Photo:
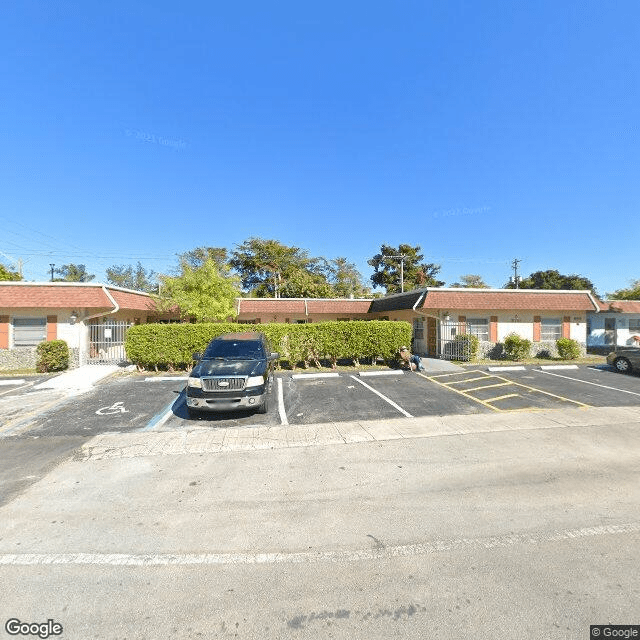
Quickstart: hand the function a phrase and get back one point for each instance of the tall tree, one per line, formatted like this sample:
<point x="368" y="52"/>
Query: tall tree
<point x="73" y="273"/>
<point x="345" y="279"/>
<point x="130" y="277"/>
<point x="393" y="265"/>
<point x="7" y="274"/>
<point x="553" y="279"/>
<point x="631" y="293"/>
<point x="204" y="292"/>
<point x="471" y="281"/>
<point x="269" y="268"/>
<point x="198" y="256"/>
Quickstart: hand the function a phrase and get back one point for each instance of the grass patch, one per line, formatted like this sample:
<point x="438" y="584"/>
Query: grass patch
<point x="588" y="359"/>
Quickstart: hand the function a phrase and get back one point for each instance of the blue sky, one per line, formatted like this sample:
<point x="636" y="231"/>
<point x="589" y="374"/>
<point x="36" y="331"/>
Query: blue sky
<point x="482" y="131"/>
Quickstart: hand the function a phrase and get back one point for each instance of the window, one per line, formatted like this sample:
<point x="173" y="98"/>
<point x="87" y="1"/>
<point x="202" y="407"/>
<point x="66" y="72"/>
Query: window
<point x="478" y="327"/>
<point x="28" y="332"/>
<point x="634" y="325"/>
<point x="550" y="329"/>
<point x="418" y="330"/>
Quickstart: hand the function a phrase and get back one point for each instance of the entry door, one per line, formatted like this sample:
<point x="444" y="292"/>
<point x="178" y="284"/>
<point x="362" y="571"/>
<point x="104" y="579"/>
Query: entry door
<point x="432" y="338"/>
<point x="610" y="331"/>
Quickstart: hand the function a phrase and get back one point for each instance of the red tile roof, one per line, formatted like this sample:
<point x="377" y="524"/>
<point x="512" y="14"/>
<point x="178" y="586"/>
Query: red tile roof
<point x="271" y="305"/>
<point x="509" y="299"/>
<point x="338" y="306"/>
<point x="621" y="306"/>
<point x="57" y="296"/>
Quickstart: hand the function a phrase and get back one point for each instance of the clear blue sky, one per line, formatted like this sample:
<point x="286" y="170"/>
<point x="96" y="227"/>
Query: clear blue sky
<point x="482" y="131"/>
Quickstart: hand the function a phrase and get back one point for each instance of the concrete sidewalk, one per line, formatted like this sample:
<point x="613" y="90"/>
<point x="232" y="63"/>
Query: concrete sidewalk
<point x="80" y="379"/>
<point x="201" y="440"/>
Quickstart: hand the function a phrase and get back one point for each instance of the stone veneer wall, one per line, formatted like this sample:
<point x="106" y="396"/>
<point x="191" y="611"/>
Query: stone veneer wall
<point x="495" y="351"/>
<point x="26" y="358"/>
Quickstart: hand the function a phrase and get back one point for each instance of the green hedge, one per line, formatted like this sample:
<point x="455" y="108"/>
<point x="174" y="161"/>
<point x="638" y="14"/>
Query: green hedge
<point x="52" y="356"/>
<point x="568" y="349"/>
<point x="516" y="347"/>
<point x="172" y="345"/>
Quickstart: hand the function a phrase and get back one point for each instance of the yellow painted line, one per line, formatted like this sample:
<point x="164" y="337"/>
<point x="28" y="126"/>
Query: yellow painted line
<point x="547" y="393"/>
<point x="457" y="373"/>
<point x="463" y="381"/>
<point x="489" y="386"/>
<point x="462" y="393"/>
<point x="508" y="395"/>
<point x="21" y="419"/>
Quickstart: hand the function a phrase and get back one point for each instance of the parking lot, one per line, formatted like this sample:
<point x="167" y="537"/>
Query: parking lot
<point x="138" y="402"/>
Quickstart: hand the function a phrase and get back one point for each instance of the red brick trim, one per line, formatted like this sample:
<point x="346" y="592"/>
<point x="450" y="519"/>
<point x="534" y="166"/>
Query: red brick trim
<point x="566" y="327"/>
<point x="462" y="324"/>
<point x="52" y="328"/>
<point x="493" y="329"/>
<point x="4" y="332"/>
<point x="537" y="320"/>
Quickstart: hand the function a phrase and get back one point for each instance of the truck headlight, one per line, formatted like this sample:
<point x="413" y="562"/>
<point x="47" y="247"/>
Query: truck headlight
<point x="194" y="382"/>
<point x="254" y="381"/>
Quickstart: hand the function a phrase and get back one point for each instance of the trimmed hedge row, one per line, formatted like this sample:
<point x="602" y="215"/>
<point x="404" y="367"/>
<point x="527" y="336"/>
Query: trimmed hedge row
<point x="173" y="345"/>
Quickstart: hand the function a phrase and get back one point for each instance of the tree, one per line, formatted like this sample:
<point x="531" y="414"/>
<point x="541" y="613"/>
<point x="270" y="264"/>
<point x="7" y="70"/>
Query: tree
<point x="73" y="273"/>
<point x="204" y="292"/>
<point x="471" y="281"/>
<point x="269" y="268"/>
<point x="632" y="293"/>
<point x="131" y="277"/>
<point x="553" y="279"/>
<point x="345" y="279"/>
<point x="387" y="265"/>
<point x="6" y="274"/>
<point x="198" y="256"/>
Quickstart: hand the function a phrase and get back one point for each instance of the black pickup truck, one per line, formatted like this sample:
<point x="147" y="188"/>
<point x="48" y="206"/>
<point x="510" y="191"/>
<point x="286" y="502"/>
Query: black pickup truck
<point x="234" y="372"/>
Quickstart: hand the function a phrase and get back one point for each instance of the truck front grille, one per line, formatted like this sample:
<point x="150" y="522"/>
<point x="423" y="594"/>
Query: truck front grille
<point x="236" y="383"/>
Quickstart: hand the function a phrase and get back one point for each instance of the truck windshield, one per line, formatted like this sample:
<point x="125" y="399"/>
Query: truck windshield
<point x="234" y="349"/>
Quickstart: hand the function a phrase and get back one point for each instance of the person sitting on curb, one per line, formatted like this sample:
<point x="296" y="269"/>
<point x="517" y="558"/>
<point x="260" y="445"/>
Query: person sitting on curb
<point x="411" y="362"/>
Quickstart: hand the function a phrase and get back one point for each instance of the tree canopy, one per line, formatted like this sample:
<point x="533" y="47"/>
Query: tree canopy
<point x="388" y="270"/>
<point x="471" y="281"/>
<point x="198" y="256"/>
<point x="7" y="274"/>
<point x="204" y="293"/>
<point x="553" y="279"/>
<point x="130" y="277"/>
<point x="631" y="293"/>
<point x="73" y="273"/>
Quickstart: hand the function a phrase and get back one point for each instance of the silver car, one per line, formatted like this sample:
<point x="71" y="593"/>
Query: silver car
<point x="625" y="359"/>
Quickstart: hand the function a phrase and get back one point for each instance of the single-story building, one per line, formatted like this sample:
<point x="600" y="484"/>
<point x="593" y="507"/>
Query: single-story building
<point x="438" y="314"/>
<point x="301" y="310"/>
<point x="616" y="324"/>
<point x="91" y="318"/>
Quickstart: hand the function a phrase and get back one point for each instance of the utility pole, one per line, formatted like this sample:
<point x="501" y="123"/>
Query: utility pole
<point x="401" y="257"/>
<point x="516" y="277"/>
<point x="52" y="266"/>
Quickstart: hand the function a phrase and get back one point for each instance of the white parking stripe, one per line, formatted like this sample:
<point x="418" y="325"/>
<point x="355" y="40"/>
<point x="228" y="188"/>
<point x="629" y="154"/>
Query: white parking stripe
<point x="7" y="383"/>
<point x="303" y="557"/>
<point x="595" y="384"/>
<point x="311" y="376"/>
<point x="281" y="411"/>
<point x="391" y="372"/>
<point x="391" y="402"/>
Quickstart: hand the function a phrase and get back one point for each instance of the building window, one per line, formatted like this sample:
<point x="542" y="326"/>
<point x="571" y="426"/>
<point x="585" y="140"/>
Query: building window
<point x="478" y="327"/>
<point x="634" y="325"/>
<point x="28" y="332"/>
<point x="418" y="330"/>
<point x="550" y="329"/>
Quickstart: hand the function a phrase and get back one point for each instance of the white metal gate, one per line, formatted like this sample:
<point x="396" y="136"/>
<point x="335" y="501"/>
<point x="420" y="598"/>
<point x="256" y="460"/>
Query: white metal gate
<point x="453" y="343"/>
<point x="106" y="342"/>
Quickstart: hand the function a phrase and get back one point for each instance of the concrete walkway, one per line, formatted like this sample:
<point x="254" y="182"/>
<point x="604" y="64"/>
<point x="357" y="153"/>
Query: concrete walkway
<point x="203" y="440"/>
<point x="435" y="365"/>
<point x="80" y="379"/>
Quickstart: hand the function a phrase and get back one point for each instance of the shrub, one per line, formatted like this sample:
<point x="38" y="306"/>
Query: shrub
<point x="52" y="356"/>
<point x="172" y="345"/>
<point x="568" y="349"/>
<point x="516" y="347"/>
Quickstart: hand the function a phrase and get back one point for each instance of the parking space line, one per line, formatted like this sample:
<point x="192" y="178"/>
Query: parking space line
<point x="281" y="412"/>
<point x="547" y="393"/>
<point x="24" y="386"/>
<point x="467" y="380"/>
<point x="391" y="402"/>
<point x="311" y="376"/>
<point x="595" y="384"/>
<point x="7" y="383"/>
<point x="462" y="393"/>
<point x="508" y="395"/>
<point x="391" y="372"/>
<point x="488" y="386"/>
<point x="159" y="419"/>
